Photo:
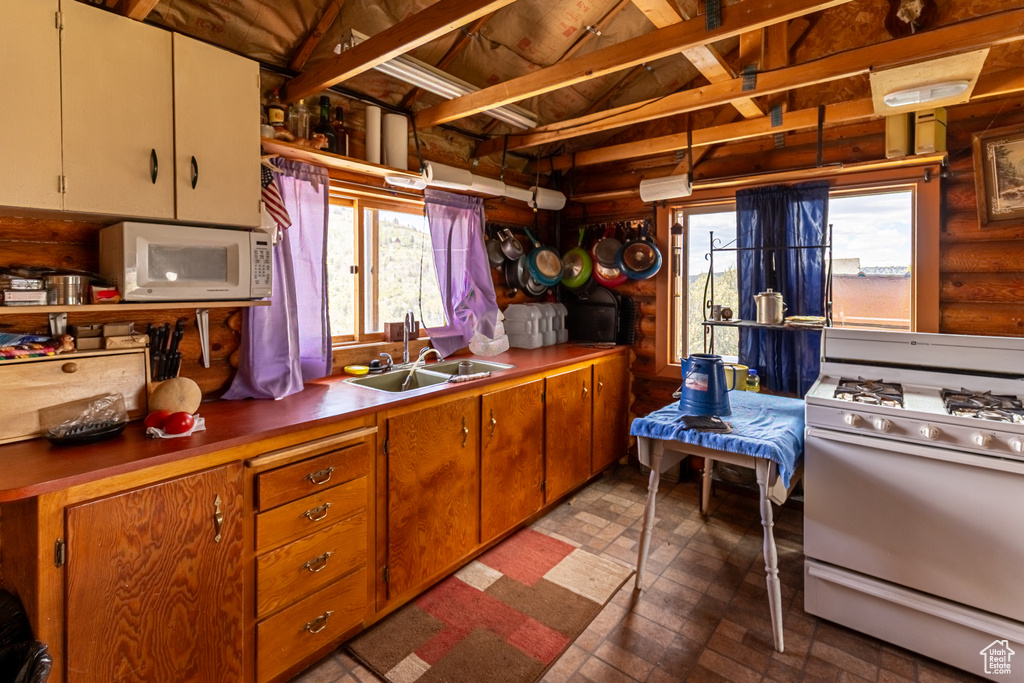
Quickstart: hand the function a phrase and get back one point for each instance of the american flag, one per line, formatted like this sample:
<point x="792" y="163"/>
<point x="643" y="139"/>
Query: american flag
<point x="272" y="198"/>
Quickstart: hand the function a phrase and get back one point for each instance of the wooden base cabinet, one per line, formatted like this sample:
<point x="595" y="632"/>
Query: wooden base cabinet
<point x="567" y="431"/>
<point x="433" y="491"/>
<point x="611" y="411"/>
<point x="154" y="584"/>
<point x="511" y="457"/>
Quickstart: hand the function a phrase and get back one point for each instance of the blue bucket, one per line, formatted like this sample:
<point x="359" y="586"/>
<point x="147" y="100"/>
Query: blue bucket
<point x="704" y="390"/>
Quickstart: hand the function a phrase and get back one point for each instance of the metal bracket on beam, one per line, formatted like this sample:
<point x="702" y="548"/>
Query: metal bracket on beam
<point x="712" y="14"/>
<point x="750" y="77"/>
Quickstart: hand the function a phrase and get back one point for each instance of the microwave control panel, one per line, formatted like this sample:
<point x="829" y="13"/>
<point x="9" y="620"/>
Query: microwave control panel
<point x="262" y="269"/>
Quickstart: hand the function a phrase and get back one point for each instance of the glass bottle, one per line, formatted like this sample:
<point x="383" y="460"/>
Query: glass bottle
<point x="323" y="126"/>
<point x="753" y="381"/>
<point x="275" y="110"/>
<point x="340" y="130"/>
<point x="298" y="119"/>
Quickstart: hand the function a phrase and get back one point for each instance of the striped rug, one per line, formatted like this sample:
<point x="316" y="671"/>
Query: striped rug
<point x="504" y="618"/>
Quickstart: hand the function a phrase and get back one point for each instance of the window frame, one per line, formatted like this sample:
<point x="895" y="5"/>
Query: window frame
<point x="366" y="285"/>
<point x="922" y="180"/>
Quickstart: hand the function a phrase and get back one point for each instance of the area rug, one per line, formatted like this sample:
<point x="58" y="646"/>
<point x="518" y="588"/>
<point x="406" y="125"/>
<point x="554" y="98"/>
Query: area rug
<point x="504" y="618"/>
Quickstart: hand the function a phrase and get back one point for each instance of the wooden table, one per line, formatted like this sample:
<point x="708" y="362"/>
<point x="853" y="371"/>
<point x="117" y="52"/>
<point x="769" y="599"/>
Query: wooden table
<point x="662" y="454"/>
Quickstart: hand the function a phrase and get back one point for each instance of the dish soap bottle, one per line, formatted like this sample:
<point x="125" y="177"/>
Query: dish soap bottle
<point x="753" y="381"/>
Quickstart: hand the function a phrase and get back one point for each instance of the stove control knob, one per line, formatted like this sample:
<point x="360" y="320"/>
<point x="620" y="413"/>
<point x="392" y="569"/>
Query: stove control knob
<point x="1017" y="445"/>
<point x="929" y="432"/>
<point x="882" y="425"/>
<point x="981" y="439"/>
<point x="851" y="419"/>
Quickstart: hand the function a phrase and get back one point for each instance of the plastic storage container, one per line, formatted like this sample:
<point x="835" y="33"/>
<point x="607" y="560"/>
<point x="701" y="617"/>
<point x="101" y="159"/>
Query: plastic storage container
<point x="547" y="323"/>
<point x="561" y="333"/>
<point x="522" y="319"/>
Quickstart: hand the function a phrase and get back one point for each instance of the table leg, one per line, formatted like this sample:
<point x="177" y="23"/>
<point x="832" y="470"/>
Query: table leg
<point x="771" y="555"/>
<point x="653" y="456"/>
<point x="705" y="487"/>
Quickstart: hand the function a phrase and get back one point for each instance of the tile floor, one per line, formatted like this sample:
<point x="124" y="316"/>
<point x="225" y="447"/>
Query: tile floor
<point x="703" y="615"/>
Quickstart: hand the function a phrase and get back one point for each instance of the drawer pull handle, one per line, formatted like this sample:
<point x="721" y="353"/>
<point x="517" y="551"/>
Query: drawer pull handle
<point x="218" y="519"/>
<point x="69" y="367"/>
<point x="317" y="564"/>
<point x="318" y="513"/>
<point x="318" y="624"/>
<point x="321" y="477"/>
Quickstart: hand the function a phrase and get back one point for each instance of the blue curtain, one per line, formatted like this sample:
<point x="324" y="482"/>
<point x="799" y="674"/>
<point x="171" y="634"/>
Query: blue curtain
<point x="769" y="218"/>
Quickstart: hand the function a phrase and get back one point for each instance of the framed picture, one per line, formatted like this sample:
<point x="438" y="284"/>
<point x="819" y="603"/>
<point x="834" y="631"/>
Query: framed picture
<point x="999" y="175"/>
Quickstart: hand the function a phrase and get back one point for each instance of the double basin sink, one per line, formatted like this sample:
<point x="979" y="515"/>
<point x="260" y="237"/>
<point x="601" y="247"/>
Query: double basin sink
<point x="433" y="376"/>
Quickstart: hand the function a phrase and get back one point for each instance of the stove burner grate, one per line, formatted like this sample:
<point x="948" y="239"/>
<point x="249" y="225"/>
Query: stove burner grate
<point x="984" y="405"/>
<point x="870" y="391"/>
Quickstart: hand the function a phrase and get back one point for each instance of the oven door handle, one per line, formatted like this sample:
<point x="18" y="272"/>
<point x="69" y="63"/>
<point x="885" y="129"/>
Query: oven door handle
<point x="949" y="453"/>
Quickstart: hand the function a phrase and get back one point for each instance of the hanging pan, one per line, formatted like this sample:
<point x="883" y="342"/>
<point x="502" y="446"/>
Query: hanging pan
<point x="512" y="247"/>
<point x="640" y="259"/>
<point x="494" y="253"/>
<point x="543" y="262"/>
<point x="576" y="265"/>
<point x="608" y="277"/>
<point x="607" y="248"/>
<point x="516" y="273"/>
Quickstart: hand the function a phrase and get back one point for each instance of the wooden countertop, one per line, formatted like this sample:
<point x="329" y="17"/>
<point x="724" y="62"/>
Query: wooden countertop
<point x="31" y="468"/>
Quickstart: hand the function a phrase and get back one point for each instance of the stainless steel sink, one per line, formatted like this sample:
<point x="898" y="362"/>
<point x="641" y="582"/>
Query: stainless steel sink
<point x="451" y="367"/>
<point x="392" y="380"/>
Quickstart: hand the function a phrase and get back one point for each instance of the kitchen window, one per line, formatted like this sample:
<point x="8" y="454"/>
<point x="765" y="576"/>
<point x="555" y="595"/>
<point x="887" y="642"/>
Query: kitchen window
<point x="380" y="264"/>
<point x="884" y="261"/>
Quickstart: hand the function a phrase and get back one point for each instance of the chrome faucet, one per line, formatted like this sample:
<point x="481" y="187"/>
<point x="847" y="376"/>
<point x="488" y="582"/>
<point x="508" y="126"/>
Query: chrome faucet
<point x="410" y="320"/>
<point x="424" y="352"/>
<point x="390" y="360"/>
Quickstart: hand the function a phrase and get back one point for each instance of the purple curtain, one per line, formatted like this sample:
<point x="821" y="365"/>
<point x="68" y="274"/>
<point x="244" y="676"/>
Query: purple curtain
<point x="289" y="342"/>
<point x="463" y="271"/>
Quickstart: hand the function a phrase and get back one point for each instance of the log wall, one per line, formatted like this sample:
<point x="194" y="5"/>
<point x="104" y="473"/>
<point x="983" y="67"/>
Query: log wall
<point x="981" y="269"/>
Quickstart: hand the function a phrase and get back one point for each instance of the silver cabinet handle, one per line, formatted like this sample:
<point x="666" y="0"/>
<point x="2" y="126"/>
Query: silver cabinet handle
<point x="318" y="513"/>
<point x="318" y="564"/>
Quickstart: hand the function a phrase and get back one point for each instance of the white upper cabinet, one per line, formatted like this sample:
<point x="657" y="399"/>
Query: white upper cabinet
<point x="118" y="127"/>
<point x="216" y="135"/>
<point x="30" y="155"/>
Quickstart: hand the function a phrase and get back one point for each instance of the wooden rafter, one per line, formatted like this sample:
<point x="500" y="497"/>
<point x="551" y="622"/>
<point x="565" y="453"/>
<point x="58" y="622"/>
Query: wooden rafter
<point x="138" y="9"/>
<point x="993" y="29"/>
<point x="408" y="34"/>
<point x="314" y="37"/>
<point x="705" y="57"/>
<point x="465" y="35"/>
<point x="737" y="19"/>
<point x="994" y="85"/>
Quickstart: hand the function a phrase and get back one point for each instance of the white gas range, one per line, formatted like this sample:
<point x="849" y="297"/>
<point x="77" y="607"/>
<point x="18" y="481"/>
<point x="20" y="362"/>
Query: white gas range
<point x="914" y="493"/>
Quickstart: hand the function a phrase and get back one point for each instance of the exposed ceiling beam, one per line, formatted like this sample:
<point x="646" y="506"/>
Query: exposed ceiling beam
<point x="736" y="19"/>
<point x="706" y="58"/>
<point x="408" y="34"/>
<point x="993" y="29"/>
<point x="461" y="41"/>
<point x="993" y="85"/>
<point x="138" y="9"/>
<point x="314" y="37"/>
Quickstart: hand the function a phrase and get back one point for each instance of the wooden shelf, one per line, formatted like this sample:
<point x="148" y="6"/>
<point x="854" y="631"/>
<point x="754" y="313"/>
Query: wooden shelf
<point x="101" y="308"/>
<point x="335" y="161"/>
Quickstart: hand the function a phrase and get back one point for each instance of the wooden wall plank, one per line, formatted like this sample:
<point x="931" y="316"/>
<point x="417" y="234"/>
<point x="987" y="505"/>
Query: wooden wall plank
<point x="983" y="287"/>
<point x="983" y="318"/>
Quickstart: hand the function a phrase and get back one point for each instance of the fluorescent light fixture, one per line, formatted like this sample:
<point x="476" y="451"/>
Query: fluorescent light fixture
<point x="925" y="93"/>
<point x="422" y="75"/>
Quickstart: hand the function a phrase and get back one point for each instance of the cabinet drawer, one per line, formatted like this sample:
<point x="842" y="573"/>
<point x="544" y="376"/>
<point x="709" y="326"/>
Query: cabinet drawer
<point x="310" y="563"/>
<point x="300" y="630"/>
<point x="292" y="482"/>
<point x="306" y="515"/>
<point x="30" y="385"/>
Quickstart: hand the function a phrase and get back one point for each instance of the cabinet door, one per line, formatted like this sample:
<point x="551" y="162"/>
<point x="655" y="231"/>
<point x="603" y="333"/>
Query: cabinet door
<point x="567" y="431"/>
<point x="152" y="595"/>
<point x="30" y="163"/>
<point x="117" y="101"/>
<point x="433" y="491"/>
<point x="511" y="457"/>
<point x="216" y="135"/>
<point x="611" y="411"/>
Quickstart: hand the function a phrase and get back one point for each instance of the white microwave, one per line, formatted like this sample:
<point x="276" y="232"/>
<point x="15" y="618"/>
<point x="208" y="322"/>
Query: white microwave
<point x="153" y="262"/>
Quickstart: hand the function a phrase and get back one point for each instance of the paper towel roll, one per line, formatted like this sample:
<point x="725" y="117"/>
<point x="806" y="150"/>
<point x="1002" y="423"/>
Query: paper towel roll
<point x="447" y="177"/>
<point x="543" y="198"/>
<point x="519" y="193"/>
<point x="488" y="186"/>
<point x="373" y="134"/>
<point x="396" y="141"/>
<point x="669" y="187"/>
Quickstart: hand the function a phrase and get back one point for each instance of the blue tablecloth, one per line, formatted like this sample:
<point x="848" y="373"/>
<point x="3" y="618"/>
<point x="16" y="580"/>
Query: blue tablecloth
<point x="763" y="426"/>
